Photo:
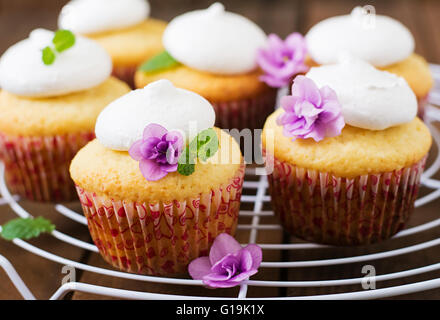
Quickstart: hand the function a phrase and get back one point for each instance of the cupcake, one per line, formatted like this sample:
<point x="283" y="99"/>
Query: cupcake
<point x="160" y="182"/>
<point x="214" y="53"/>
<point x="49" y="103"/>
<point x="348" y="152"/>
<point x="380" y="40"/>
<point x="122" y="27"/>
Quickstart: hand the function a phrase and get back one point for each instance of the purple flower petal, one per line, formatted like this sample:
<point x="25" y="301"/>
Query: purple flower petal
<point x="227" y="265"/>
<point x="288" y="103"/>
<point x="295" y="126"/>
<point x="151" y="170"/>
<point x="310" y="112"/>
<point x="305" y="88"/>
<point x="318" y="133"/>
<point x="157" y="152"/>
<point x="221" y="284"/>
<point x="275" y="42"/>
<point x="245" y="259"/>
<point x="169" y="167"/>
<point x="135" y="150"/>
<point x="335" y="129"/>
<point x="217" y="277"/>
<point x="244" y="275"/>
<point x="235" y="281"/>
<point x="223" y="245"/>
<point x="199" y="268"/>
<point x="149" y="148"/>
<point x="282" y="60"/>
<point x="154" y="130"/>
<point x="274" y="82"/>
<point x="176" y="139"/>
<point x="256" y="253"/>
<point x="328" y="93"/>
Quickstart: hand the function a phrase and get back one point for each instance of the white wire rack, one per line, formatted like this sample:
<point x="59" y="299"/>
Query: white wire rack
<point x="255" y="194"/>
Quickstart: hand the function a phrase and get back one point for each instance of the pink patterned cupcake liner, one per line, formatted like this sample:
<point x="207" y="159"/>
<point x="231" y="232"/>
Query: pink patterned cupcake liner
<point x="37" y="168"/>
<point x="324" y="208"/>
<point x="248" y="113"/>
<point x="161" y="238"/>
<point x="125" y="73"/>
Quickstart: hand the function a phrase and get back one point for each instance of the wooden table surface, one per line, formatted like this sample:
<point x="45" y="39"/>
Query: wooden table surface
<point x="19" y="17"/>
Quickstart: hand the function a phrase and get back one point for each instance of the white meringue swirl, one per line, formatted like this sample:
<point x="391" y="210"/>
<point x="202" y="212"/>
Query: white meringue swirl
<point x="83" y="66"/>
<point x="214" y="40"/>
<point x="377" y="39"/>
<point x="123" y="121"/>
<point x="92" y="16"/>
<point x="370" y="98"/>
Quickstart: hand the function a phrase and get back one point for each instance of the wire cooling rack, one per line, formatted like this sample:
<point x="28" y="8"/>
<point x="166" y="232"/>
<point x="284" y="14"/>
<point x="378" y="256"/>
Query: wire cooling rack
<point x="254" y="195"/>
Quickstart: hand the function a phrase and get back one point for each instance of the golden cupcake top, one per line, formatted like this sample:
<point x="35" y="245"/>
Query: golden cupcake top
<point x="116" y="175"/>
<point x="355" y="151"/>
<point x="144" y="40"/>
<point x="213" y="87"/>
<point x="75" y="112"/>
<point x="415" y="71"/>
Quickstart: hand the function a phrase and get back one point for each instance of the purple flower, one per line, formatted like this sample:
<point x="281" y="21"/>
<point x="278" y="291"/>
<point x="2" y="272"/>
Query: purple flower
<point x="228" y="263"/>
<point x="311" y="112"/>
<point x="157" y="152"/>
<point x="282" y="59"/>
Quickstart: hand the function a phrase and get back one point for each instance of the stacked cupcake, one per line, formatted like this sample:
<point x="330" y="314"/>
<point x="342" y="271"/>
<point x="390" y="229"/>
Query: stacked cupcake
<point x="214" y="53"/>
<point x="123" y="28"/>
<point x="49" y="103"/>
<point x="348" y="154"/>
<point x="160" y="182"/>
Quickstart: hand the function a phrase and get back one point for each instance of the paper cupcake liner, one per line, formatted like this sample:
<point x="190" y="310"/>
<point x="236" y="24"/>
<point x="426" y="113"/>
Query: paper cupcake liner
<point x="125" y="73"/>
<point x="37" y="168"/>
<point x="247" y="113"/>
<point x="323" y="208"/>
<point x="161" y="238"/>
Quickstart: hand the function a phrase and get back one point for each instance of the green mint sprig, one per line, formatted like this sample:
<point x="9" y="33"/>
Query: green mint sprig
<point x="159" y="62"/>
<point x="202" y="147"/>
<point x="26" y="228"/>
<point x="62" y="40"/>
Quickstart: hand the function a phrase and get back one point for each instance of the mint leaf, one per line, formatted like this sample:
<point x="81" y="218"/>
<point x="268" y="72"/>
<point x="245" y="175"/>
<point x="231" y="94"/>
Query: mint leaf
<point x="204" y="146"/>
<point x="63" y="40"/>
<point x="186" y="162"/>
<point x="26" y="228"/>
<point x="207" y="144"/>
<point x="159" y="62"/>
<point x="48" y="56"/>
<point x="186" y="169"/>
